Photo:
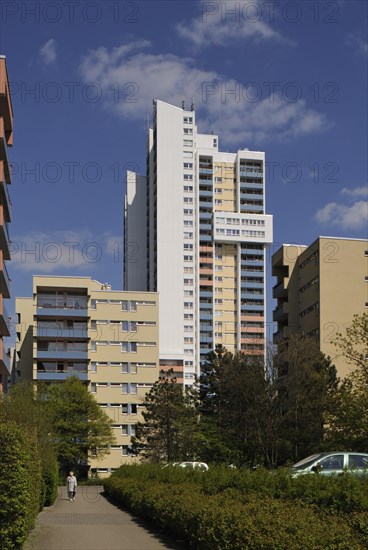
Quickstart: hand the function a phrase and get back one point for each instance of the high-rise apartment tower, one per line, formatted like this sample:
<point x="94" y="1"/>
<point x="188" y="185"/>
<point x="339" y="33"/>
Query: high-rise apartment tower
<point x="196" y="232"/>
<point x="6" y="140"/>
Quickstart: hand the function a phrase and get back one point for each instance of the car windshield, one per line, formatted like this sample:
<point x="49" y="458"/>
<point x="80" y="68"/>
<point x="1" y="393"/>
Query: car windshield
<point x="306" y="462"/>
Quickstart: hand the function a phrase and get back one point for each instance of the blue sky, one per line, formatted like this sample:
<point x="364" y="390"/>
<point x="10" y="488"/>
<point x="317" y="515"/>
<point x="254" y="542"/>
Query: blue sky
<point x="288" y="78"/>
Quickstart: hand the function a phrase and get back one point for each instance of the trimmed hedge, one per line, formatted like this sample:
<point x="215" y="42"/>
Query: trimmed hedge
<point x="234" y="518"/>
<point x="20" y="486"/>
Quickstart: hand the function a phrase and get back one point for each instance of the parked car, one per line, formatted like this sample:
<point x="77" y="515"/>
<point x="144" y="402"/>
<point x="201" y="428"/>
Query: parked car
<point x="193" y="465"/>
<point x="332" y="463"/>
<point x="190" y="465"/>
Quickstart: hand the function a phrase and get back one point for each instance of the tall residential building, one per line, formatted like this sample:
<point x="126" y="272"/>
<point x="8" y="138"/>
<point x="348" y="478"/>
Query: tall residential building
<point x="75" y="326"/>
<point x="6" y="140"/>
<point x="318" y="290"/>
<point x="196" y="232"/>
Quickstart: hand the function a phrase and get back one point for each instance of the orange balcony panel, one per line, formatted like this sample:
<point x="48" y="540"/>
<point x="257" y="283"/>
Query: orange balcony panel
<point x="205" y="271"/>
<point x="5" y="103"/>
<point x="252" y="340"/>
<point x="204" y="248"/>
<point x="253" y="352"/>
<point x="252" y="318"/>
<point x="252" y="330"/>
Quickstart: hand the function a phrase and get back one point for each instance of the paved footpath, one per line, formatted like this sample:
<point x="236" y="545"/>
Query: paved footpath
<point x="91" y="523"/>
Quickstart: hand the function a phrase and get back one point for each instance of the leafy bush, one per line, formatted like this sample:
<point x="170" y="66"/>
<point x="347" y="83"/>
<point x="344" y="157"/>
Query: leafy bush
<point x="50" y="477"/>
<point x="20" y="486"/>
<point x="239" y="509"/>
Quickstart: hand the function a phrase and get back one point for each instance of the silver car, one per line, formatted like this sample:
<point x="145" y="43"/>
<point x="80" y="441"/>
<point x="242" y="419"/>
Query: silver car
<point x="332" y="463"/>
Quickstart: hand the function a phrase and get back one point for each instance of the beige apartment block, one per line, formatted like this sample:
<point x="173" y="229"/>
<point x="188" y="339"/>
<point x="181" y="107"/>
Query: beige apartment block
<point x="318" y="290"/>
<point x="76" y="326"/>
<point x="6" y="140"/>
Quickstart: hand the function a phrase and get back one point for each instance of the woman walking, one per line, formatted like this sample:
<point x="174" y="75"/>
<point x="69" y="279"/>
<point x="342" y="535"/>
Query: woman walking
<point x="71" y="484"/>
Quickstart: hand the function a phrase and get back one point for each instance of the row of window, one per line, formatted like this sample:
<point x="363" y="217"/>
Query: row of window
<point x="126" y="368"/>
<point x="126" y="387"/>
<point x="125" y="346"/>
<point x="126" y="305"/>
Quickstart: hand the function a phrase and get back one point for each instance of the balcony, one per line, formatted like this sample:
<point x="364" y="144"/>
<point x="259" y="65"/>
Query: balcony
<point x="4" y="235"/>
<point x="247" y="185"/>
<point x="281" y="312"/>
<point x="4" y="193"/>
<point x="55" y="376"/>
<point x="4" y="321"/>
<point x="251" y="208"/>
<point x="4" y="278"/>
<point x="206" y="315"/>
<point x="279" y="290"/>
<point x="58" y="311"/>
<point x="252" y="251"/>
<point x="205" y="194"/>
<point x="4" y="358"/>
<point x="248" y="173"/>
<point x="69" y="355"/>
<point x="67" y="333"/>
<point x="251" y="196"/>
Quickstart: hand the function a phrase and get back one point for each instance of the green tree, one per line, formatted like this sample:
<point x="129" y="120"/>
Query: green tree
<point x="353" y="344"/>
<point x="307" y="384"/>
<point x="169" y="430"/>
<point x="238" y="400"/>
<point x="79" y="424"/>
<point x="348" y="422"/>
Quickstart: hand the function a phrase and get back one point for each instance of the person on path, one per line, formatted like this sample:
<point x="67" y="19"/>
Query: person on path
<point x="71" y="484"/>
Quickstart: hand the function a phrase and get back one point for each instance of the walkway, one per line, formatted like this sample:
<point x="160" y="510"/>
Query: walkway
<point x="91" y="523"/>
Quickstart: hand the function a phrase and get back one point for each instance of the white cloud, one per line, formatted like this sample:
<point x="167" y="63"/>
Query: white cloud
<point x="352" y="217"/>
<point x="223" y="22"/>
<point x="131" y="77"/>
<point x="48" y="52"/>
<point x="40" y="252"/>
<point x="355" y="192"/>
<point x="359" y="43"/>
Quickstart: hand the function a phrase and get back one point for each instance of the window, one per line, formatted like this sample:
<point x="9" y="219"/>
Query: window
<point x="188" y="223"/>
<point x="358" y="461"/>
<point x="124" y="388"/>
<point x="133" y="388"/>
<point x="188" y="189"/>
<point x="188" y="246"/>
<point x="93" y="387"/>
<point x="188" y="281"/>
<point x="188" y="258"/>
<point x="188" y="200"/>
<point x="188" y="131"/>
<point x="188" y="120"/>
<point x="188" y="211"/>
<point x="335" y="462"/>
<point x="188" y="165"/>
<point x="188" y="177"/>
<point x="187" y="154"/>
<point x="125" y="368"/>
<point x="188" y="143"/>
<point x="188" y="235"/>
<point x="128" y="347"/>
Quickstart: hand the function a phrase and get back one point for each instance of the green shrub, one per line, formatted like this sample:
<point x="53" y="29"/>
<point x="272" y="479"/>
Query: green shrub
<point x="50" y="478"/>
<point x="20" y="485"/>
<point x="240" y="508"/>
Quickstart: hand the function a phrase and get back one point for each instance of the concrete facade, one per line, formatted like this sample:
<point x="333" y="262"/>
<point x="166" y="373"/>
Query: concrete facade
<point x="318" y="290"/>
<point x="203" y="226"/>
<point x="108" y="339"/>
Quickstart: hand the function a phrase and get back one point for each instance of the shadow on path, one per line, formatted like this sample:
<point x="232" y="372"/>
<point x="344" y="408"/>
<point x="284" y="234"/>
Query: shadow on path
<point x="93" y="522"/>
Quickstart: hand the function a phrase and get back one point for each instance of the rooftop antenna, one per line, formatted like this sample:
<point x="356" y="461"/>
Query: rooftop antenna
<point x="183" y="104"/>
<point x="192" y="105"/>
